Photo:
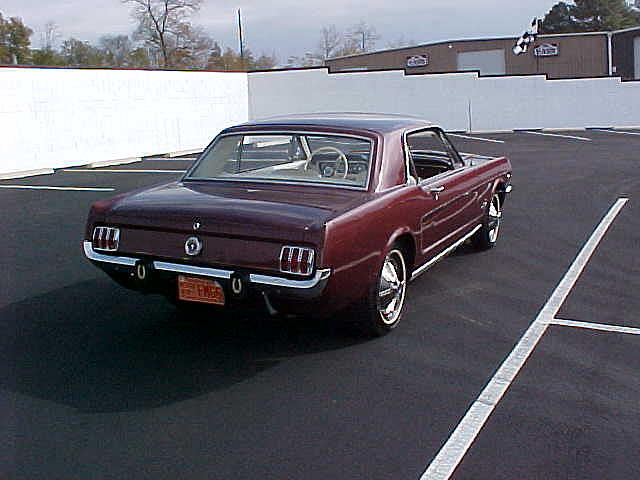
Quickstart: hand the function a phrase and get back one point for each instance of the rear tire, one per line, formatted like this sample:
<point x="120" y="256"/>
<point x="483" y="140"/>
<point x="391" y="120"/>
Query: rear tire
<point x="487" y="236"/>
<point x="381" y="310"/>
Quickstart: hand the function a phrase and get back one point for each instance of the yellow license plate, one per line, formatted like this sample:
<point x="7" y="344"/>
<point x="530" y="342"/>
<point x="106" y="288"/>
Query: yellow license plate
<point x="200" y="290"/>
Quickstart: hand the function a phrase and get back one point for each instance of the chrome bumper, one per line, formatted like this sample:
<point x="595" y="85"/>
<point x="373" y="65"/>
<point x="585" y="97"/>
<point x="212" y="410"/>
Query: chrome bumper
<point x="321" y="276"/>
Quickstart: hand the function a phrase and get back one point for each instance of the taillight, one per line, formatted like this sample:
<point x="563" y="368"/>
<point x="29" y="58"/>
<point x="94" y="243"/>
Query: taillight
<point x="298" y="260"/>
<point x="106" y="239"/>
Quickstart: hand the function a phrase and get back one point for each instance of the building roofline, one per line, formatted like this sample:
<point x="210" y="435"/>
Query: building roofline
<point x="464" y="40"/>
<point x="624" y="30"/>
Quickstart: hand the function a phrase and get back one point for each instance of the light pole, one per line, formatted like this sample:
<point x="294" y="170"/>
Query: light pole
<point x="240" y="35"/>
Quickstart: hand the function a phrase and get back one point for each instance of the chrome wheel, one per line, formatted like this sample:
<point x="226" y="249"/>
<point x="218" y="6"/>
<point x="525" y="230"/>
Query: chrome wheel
<point x="495" y="214"/>
<point x="392" y="287"/>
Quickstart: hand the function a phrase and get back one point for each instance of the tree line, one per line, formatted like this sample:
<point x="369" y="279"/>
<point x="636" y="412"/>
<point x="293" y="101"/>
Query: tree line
<point x="590" y="16"/>
<point x="165" y="37"/>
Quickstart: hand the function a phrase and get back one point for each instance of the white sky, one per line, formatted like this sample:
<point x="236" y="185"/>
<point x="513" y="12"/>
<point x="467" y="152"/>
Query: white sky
<point x="289" y="27"/>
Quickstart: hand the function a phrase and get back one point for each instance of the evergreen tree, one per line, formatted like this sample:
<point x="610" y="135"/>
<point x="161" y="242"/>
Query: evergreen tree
<point x="14" y="41"/>
<point x="590" y="16"/>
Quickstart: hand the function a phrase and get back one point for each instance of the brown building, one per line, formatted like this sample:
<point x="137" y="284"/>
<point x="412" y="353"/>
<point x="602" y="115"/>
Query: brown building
<point x="575" y="55"/>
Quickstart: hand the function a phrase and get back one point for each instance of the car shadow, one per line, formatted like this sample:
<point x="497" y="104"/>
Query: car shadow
<point x="97" y="347"/>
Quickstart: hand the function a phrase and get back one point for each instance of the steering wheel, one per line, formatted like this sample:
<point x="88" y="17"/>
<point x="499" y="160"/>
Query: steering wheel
<point x="329" y="149"/>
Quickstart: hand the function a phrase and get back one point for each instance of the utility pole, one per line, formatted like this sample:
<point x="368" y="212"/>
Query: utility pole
<point x="363" y="40"/>
<point x="240" y="35"/>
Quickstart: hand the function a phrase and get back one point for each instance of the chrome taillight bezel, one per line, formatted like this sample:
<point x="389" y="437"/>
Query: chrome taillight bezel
<point x="105" y="239"/>
<point x="295" y="260"/>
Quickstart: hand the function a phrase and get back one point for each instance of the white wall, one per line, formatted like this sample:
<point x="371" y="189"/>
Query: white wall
<point x="440" y="98"/>
<point x="458" y="101"/>
<point x="636" y="58"/>
<point x="53" y="118"/>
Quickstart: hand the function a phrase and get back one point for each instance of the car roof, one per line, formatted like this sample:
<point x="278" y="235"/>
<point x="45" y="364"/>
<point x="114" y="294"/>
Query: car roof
<point x="376" y="122"/>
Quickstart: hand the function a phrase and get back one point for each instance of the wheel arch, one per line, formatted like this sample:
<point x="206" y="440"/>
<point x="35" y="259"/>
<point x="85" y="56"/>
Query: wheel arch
<point x="405" y="240"/>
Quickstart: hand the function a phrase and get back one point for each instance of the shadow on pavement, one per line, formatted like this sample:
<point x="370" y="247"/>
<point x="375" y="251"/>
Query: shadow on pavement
<point x="100" y="348"/>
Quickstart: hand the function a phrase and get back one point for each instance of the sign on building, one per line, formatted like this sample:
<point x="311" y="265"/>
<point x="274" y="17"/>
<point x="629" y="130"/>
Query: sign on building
<point x="418" y="61"/>
<point x="547" y="50"/>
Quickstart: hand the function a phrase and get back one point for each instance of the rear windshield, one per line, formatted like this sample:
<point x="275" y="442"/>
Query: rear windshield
<point x="289" y="158"/>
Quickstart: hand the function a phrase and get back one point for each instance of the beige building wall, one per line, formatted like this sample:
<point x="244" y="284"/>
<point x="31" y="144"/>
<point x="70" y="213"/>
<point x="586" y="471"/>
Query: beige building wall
<point x="579" y="56"/>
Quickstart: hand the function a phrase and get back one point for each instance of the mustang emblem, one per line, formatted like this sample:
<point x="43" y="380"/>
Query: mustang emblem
<point x="193" y="246"/>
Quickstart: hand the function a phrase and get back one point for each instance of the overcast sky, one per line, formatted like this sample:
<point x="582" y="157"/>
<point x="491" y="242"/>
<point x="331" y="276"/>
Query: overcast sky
<point x="289" y="27"/>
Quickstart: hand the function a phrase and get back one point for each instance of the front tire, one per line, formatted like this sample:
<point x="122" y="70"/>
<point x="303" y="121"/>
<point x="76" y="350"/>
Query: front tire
<point x="382" y="309"/>
<point x="487" y="236"/>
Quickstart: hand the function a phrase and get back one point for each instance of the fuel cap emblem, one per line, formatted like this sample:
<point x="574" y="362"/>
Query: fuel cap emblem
<point x="193" y="246"/>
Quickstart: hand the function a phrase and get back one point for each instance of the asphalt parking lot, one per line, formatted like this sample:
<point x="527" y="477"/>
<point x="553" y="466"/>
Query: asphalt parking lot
<point x="100" y="382"/>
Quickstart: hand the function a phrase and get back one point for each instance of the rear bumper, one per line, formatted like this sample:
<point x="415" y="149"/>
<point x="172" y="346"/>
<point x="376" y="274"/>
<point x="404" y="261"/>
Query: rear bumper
<point x="308" y="288"/>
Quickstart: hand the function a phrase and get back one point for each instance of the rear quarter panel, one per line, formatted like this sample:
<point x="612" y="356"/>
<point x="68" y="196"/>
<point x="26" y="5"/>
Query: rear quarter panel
<point x="356" y="241"/>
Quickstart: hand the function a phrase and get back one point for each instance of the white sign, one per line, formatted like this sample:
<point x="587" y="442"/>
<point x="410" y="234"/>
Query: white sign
<point x="547" y="50"/>
<point x="418" y="61"/>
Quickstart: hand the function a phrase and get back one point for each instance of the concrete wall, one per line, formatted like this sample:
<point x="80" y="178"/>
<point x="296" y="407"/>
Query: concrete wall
<point x="53" y="118"/>
<point x="458" y="101"/>
<point x="443" y="98"/>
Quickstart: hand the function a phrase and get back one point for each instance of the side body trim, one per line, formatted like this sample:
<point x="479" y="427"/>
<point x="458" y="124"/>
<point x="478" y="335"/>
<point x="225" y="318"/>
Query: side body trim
<point x="423" y="268"/>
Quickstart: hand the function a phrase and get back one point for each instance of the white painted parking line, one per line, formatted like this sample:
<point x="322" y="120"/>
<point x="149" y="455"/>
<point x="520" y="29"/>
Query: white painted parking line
<point x="595" y="326"/>
<point x="607" y="130"/>
<point x="456" y="446"/>
<point x="475" y="138"/>
<point x="43" y="187"/>
<point x="109" y="170"/>
<point x="572" y="137"/>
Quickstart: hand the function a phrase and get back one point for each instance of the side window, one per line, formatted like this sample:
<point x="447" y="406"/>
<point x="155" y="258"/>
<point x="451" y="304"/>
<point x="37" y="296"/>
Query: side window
<point x="457" y="160"/>
<point x="430" y="154"/>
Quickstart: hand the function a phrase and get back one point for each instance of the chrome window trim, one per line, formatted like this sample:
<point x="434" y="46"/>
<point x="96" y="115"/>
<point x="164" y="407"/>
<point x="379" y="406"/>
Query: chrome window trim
<point x="456" y="160"/>
<point x="373" y="140"/>
<point x="320" y="275"/>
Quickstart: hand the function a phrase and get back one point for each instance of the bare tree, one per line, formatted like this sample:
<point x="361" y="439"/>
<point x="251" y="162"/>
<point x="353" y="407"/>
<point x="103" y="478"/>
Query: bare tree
<point x="192" y="47"/>
<point x="161" y="22"/>
<point x="307" y="60"/>
<point x="49" y="36"/>
<point x="400" y="42"/>
<point x="116" y="49"/>
<point x="360" y="38"/>
<point x="330" y="42"/>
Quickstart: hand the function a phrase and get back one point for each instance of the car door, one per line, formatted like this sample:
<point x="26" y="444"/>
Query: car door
<point x="445" y="198"/>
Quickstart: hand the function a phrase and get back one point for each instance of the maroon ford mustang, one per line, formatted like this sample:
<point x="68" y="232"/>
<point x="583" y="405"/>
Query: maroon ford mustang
<point x="304" y="214"/>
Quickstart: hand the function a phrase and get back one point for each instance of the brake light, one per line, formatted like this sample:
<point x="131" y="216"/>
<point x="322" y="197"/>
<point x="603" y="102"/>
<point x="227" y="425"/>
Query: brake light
<point x="106" y="239"/>
<point x="298" y="260"/>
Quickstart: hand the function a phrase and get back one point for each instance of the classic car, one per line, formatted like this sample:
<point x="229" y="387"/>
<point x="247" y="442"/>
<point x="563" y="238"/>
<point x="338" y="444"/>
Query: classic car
<point x="304" y="214"/>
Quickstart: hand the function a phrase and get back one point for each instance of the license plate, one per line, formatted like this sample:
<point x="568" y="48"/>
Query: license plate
<point x="200" y="290"/>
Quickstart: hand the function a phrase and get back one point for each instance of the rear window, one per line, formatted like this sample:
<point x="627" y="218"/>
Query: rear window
<point x="290" y="158"/>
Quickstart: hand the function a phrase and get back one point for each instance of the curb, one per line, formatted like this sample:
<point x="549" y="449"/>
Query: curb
<point x="26" y="173"/>
<point x="109" y="163"/>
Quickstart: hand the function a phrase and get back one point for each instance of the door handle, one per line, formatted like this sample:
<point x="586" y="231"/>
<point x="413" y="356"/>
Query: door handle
<point x="435" y="191"/>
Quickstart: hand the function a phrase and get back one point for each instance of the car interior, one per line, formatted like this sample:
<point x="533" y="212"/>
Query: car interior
<point x="429" y="154"/>
<point x="296" y="157"/>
